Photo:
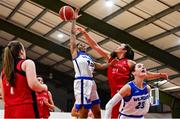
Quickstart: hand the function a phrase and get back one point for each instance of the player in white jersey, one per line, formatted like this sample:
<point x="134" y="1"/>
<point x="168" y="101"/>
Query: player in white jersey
<point x="134" y="95"/>
<point x="85" y="89"/>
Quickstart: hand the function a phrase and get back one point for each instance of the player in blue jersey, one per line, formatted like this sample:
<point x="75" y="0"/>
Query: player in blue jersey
<point x="134" y="95"/>
<point x="85" y="90"/>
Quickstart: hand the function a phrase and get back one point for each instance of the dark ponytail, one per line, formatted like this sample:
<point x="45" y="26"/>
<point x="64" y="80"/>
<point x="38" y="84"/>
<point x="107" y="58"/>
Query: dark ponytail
<point x="132" y="69"/>
<point x="113" y="54"/>
<point x="130" y="53"/>
<point x="10" y="56"/>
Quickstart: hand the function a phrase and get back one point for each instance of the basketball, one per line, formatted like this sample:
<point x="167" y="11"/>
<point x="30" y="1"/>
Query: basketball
<point x="66" y="13"/>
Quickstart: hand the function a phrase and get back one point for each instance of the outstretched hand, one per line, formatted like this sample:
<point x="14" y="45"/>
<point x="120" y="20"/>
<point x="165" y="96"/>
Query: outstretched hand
<point x="80" y="29"/>
<point x="76" y="14"/>
<point x="164" y="76"/>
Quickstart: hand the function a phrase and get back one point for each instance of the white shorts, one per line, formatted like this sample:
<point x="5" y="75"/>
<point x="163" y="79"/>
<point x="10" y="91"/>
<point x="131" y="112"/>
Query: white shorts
<point x="85" y="92"/>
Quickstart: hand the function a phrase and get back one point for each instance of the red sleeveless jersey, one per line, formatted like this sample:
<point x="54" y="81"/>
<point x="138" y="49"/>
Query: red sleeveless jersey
<point x="20" y="93"/>
<point x="118" y="75"/>
<point x="42" y="107"/>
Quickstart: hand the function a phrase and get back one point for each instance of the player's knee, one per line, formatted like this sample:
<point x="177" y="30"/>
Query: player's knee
<point x="97" y="114"/>
<point x="74" y="113"/>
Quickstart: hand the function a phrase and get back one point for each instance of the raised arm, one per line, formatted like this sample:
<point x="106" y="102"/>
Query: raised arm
<point x="94" y="45"/>
<point x="73" y="47"/>
<point x="151" y="75"/>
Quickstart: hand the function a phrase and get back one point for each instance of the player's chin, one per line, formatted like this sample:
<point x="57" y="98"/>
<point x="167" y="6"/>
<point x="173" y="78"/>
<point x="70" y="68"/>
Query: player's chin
<point x="143" y="75"/>
<point x="84" y="49"/>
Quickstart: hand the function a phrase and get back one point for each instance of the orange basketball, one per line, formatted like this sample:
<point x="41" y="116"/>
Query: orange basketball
<point x="66" y="13"/>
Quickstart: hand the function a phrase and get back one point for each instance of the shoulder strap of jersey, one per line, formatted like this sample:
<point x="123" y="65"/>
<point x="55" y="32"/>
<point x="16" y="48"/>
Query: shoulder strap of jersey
<point x="128" y="98"/>
<point x="78" y="54"/>
<point x="18" y="68"/>
<point x="126" y="60"/>
<point x="131" y="84"/>
<point x="110" y="59"/>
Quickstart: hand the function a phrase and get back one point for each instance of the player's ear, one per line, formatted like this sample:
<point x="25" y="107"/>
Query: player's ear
<point x="133" y="72"/>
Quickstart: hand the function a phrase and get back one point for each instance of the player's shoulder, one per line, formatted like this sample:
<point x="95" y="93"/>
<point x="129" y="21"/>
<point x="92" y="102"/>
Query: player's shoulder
<point x="125" y="90"/>
<point x="131" y="61"/>
<point x="131" y="84"/>
<point x="127" y="87"/>
<point x="28" y="61"/>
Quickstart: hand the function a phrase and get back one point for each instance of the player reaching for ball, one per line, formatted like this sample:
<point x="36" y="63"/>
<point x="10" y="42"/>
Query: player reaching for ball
<point x="85" y="90"/>
<point x="66" y="13"/>
<point x="118" y="74"/>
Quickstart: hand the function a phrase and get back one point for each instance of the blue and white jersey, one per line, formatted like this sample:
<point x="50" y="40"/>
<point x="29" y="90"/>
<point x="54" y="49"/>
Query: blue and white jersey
<point x="137" y="104"/>
<point x="83" y="65"/>
<point x="85" y="90"/>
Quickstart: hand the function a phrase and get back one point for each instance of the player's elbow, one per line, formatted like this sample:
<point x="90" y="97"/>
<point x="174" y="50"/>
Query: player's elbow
<point x="37" y="87"/>
<point x="34" y="87"/>
<point x="108" y="106"/>
<point x="108" y="111"/>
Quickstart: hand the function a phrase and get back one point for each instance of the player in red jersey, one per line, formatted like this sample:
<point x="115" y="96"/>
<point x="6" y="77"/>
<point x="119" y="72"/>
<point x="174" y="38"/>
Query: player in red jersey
<point x="18" y="82"/>
<point x="118" y="74"/>
<point x="45" y="102"/>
